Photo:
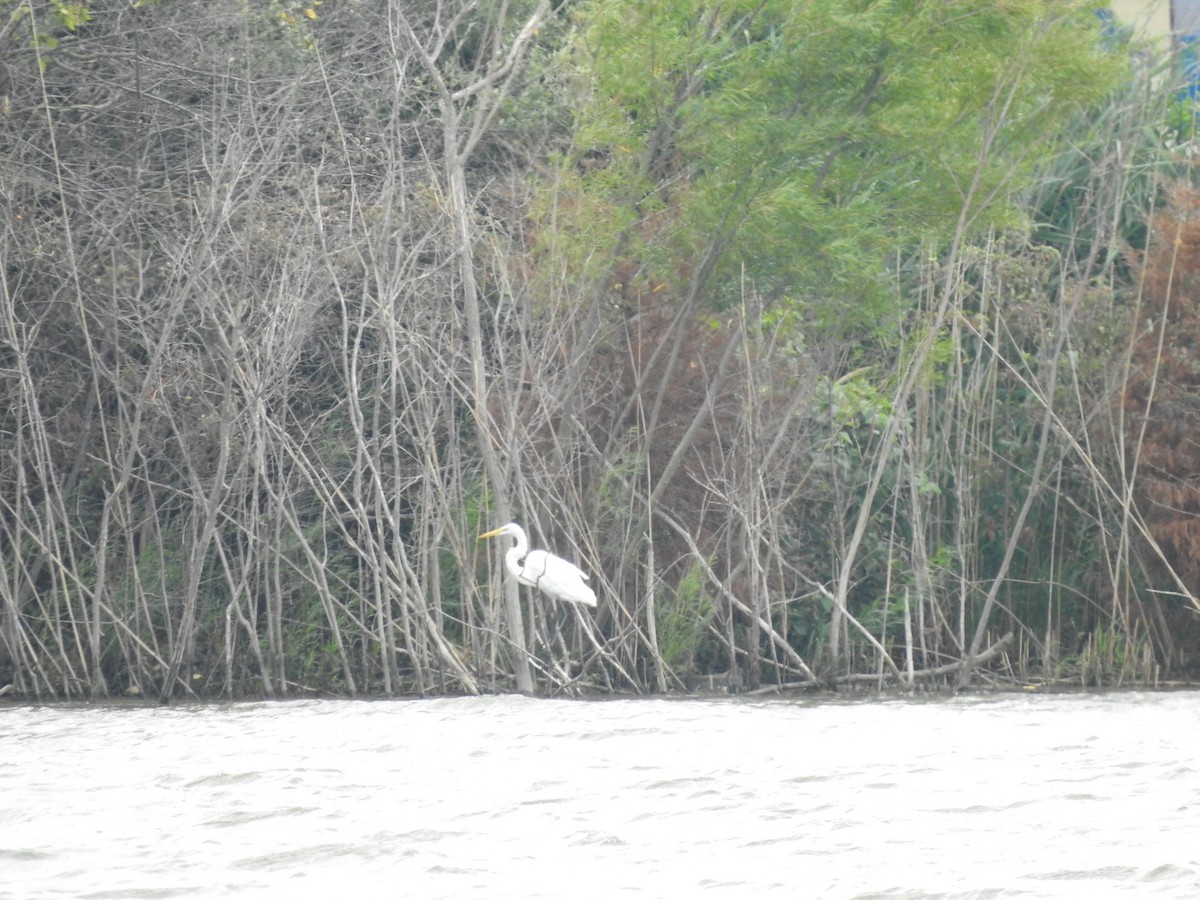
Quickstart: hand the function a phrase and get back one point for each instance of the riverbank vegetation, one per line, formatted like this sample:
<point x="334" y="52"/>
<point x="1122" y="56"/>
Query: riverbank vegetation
<point x="840" y="343"/>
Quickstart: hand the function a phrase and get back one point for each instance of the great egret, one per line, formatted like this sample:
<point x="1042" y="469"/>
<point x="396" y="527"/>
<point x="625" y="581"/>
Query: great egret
<point x="544" y="571"/>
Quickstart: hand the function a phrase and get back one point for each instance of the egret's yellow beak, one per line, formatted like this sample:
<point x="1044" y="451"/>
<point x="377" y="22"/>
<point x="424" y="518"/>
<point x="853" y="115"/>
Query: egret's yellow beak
<point x="492" y="533"/>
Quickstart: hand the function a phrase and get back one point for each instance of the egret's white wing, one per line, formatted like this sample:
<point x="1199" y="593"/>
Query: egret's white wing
<point x="556" y="577"/>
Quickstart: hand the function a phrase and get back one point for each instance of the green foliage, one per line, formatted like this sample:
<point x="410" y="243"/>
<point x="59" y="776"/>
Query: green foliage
<point x="71" y="15"/>
<point x="1116" y="153"/>
<point x="63" y="14"/>
<point x="1111" y="657"/>
<point x="854" y="402"/>
<point x="39" y="29"/>
<point x="809" y="143"/>
<point x="312" y="656"/>
<point x="682" y="620"/>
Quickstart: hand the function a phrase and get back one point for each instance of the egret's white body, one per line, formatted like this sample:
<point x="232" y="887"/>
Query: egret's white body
<point x="548" y="573"/>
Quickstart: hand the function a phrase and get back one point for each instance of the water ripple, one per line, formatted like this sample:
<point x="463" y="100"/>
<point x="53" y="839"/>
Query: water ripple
<point x="510" y="797"/>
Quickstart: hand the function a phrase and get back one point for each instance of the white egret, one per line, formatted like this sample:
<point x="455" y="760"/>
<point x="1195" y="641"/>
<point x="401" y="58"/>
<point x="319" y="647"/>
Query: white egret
<point x="545" y="571"/>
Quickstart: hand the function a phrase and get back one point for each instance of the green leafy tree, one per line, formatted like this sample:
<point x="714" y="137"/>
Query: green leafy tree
<point x="805" y="145"/>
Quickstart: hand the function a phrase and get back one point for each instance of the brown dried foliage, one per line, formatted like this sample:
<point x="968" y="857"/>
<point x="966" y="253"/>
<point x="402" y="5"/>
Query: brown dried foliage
<point x="1162" y="393"/>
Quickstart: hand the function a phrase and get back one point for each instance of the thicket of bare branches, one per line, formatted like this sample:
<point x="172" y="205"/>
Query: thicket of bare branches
<point x="234" y="343"/>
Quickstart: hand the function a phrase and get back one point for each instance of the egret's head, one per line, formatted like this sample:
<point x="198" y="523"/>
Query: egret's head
<point x="511" y="528"/>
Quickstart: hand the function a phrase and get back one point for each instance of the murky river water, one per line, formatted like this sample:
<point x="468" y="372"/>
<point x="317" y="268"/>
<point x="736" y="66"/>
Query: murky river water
<point x="508" y="797"/>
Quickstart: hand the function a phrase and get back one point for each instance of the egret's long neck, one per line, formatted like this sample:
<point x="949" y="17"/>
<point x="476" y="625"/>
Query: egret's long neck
<point x="521" y="547"/>
<point x="513" y="559"/>
<point x="516" y="554"/>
